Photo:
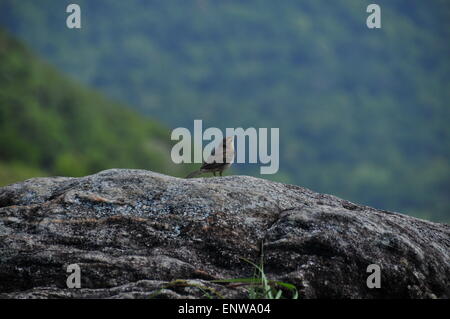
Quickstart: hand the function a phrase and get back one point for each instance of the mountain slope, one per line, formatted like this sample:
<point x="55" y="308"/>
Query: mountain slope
<point x="51" y="125"/>
<point x="362" y="113"/>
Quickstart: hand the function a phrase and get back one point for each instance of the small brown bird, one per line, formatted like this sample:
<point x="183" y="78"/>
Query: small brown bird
<point x="220" y="159"/>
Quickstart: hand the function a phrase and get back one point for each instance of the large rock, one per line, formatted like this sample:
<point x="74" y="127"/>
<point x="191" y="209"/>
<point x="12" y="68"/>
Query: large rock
<point x="136" y="233"/>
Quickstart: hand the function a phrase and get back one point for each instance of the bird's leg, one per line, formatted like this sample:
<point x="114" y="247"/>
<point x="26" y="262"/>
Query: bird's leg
<point x="214" y="173"/>
<point x="220" y="173"/>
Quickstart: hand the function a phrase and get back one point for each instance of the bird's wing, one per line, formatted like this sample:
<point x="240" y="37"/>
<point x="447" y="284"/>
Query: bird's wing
<point x="212" y="166"/>
<point x="218" y="157"/>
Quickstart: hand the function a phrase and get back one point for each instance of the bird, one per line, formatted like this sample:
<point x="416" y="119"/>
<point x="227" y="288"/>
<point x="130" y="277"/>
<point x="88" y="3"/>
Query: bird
<point x="220" y="159"/>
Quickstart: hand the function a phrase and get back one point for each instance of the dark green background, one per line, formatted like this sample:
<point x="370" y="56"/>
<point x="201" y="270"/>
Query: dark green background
<point x="363" y="114"/>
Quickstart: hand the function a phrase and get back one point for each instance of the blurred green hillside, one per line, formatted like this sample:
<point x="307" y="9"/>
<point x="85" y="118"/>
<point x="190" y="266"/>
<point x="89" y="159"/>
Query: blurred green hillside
<point x="49" y="125"/>
<point x="363" y="114"/>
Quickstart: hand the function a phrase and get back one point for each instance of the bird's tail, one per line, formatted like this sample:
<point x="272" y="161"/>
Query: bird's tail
<point x="194" y="174"/>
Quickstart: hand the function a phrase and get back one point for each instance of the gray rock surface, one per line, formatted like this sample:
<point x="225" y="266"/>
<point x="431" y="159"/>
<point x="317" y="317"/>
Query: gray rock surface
<point x="139" y="234"/>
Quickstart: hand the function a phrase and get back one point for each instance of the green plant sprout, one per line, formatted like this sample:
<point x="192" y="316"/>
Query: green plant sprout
<point x="260" y="287"/>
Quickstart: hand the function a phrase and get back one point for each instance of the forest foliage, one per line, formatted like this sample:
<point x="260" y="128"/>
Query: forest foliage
<point x="363" y="114"/>
<point x="50" y="125"/>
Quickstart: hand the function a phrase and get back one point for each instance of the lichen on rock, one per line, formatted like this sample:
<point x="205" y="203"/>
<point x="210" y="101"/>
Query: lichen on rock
<point x="136" y="234"/>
